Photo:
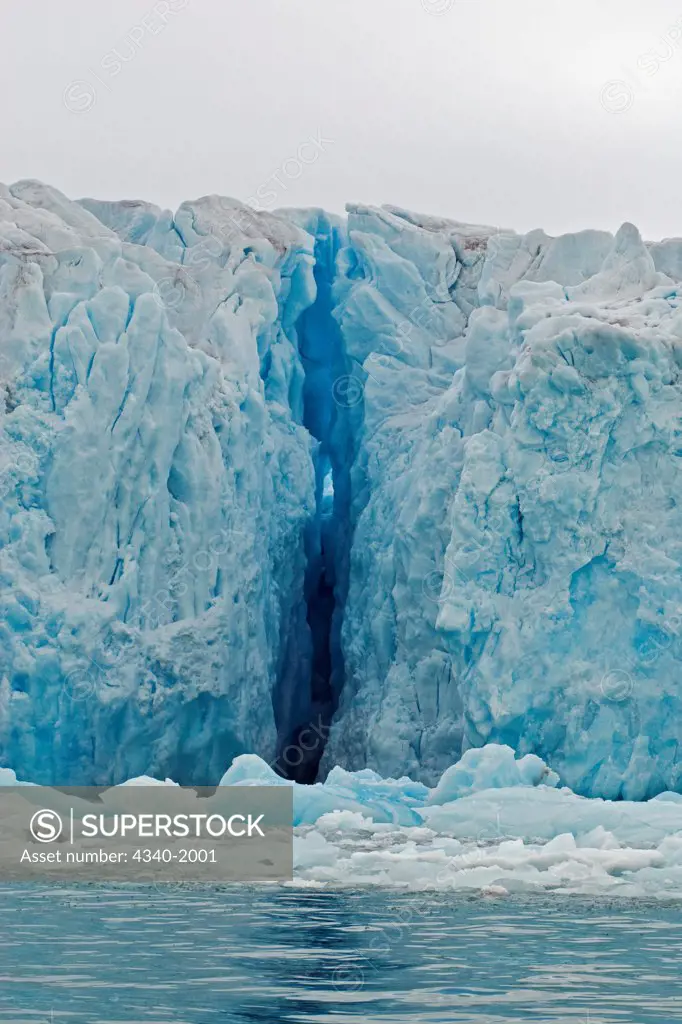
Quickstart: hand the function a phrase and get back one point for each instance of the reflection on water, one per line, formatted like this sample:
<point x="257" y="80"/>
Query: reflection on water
<point x="282" y="954"/>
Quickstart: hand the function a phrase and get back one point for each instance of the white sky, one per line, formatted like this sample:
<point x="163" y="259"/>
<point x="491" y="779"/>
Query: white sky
<point x="494" y="111"/>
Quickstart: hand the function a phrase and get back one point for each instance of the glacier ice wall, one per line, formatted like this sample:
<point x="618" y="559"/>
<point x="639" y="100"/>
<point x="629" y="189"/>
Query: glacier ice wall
<point x="156" y="482"/>
<point x="516" y="501"/>
<point x="266" y="477"/>
<point x="403" y="339"/>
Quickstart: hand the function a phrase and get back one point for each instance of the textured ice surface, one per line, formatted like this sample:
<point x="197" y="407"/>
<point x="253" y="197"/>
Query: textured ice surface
<point x="501" y="418"/>
<point x="516" y="499"/>
<point x="155" y="482"/>
<point x="490" y="767"/>
<point x="362" y="792"/>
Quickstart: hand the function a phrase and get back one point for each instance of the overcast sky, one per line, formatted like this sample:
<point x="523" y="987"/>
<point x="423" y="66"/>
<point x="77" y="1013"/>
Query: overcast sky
<point x="521" y="113"/>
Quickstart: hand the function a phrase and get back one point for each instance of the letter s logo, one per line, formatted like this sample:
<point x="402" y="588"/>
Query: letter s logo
<point x="46" y="826"/>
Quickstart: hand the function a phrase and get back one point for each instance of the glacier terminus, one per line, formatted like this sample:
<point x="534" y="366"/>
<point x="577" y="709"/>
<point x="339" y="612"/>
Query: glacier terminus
<point x="395" y="484"/>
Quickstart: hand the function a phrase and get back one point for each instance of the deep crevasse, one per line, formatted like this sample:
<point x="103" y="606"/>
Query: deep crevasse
<point x="324" y="362"/>
<point x="501" y="417"/>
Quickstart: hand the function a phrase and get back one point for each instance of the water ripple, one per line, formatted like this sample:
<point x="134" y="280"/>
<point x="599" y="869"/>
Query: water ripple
<point x="246" y="955"/>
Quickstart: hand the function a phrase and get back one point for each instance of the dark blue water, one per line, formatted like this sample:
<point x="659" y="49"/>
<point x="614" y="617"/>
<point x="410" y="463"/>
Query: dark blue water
<point x="271" y="955"/>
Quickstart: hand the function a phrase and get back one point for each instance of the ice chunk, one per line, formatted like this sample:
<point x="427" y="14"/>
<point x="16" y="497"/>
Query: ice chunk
<point x="360" y="829"/>
<point x="251" y="770"/>
<point x="491" y="767"/>
<point x="364" y="792"/>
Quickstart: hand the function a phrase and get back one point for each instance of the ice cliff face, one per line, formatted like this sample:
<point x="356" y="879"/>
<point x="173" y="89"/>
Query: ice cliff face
<point x="516" y="501"/>
<point x="412" y="482"/>
<point x="156" y="482"/>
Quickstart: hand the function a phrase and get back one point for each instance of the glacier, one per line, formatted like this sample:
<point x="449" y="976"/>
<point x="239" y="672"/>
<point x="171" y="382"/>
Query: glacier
<point x="515" y="501"/>
<point x="360" y="493"/>
<point x="156" y="482"/>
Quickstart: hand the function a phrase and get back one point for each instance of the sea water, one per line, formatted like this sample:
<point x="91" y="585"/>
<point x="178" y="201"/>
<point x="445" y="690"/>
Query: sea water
<point x="287" y="954"/>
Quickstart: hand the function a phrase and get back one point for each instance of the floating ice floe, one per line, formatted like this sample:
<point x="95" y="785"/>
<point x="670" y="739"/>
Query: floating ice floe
<point x="498" y="837"/>
<point x="513" y="828"/>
